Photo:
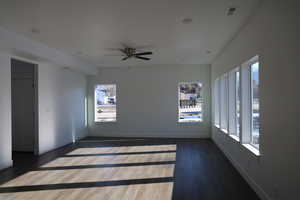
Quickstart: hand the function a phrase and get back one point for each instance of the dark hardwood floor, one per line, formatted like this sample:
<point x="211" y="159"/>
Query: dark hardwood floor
<point x="202" y="172"/>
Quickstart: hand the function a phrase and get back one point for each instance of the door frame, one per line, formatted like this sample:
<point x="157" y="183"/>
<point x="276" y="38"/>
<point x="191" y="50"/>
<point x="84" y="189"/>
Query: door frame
<point x="36" y="102"/>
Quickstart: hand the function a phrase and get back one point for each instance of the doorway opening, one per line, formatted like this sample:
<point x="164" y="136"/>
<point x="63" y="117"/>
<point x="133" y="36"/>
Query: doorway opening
<point x="24" y="110"/>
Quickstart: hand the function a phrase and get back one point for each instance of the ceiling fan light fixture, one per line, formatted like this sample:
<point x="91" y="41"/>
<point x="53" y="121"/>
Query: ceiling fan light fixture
<point x="130" y="52"/>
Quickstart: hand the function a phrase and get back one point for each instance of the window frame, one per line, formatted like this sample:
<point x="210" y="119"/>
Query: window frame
<point x="253" y="62"/>
<point x="95" y="104"/>
<point x="238" y="120"/>
<point x="224" y="107"/>
<point x="217" y="102"/>
<point x="178" y="103"/>
<point x="233" y="121"/>
<point x="245" y="131"/>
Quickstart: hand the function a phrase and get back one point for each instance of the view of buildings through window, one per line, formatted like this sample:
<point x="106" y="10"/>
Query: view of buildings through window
<point x="224" y="103"/>
<point x="217" y="102"/>
<point x="237" y="102"/>
<point x="255" y="104"/>
<point x="105" y="103"/>
<point x="190" y="102"/>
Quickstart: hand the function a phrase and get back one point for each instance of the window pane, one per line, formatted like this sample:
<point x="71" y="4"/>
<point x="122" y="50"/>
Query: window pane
<point x="231" y="103"/>
<point x="237" y="102"/>
<point x="217" y="101"/>
<point x="255" y="104"/>
<point x="190" y="102"/>
<point x="105" y="103"/>
<point x="224" y="103"/>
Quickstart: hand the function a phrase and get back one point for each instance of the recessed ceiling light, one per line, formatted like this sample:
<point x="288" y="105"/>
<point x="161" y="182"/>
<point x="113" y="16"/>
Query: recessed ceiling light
<point x="231" y="11"/>
<point x="187" y="20"/>
<point x="66" y="68"/>
<point x="35" y="31"/>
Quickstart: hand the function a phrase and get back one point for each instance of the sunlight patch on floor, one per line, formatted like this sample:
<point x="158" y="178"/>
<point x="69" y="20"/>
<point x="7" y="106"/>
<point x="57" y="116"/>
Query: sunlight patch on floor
<point x="154" y="191"/>
<point x="143" y="177"/>
<point x="123" y="149"/>
<point x="113" y="159"/>
<point x="92" y="175"/>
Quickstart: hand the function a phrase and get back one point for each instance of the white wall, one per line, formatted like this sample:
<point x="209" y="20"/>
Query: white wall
<point x="61" y="102"/>
<point x="147" y="100"/>
<point x="61" y="106"/>
<point x="273" y="34"/>
<point x="60" y="91"/>
<point x="5" y="112"/>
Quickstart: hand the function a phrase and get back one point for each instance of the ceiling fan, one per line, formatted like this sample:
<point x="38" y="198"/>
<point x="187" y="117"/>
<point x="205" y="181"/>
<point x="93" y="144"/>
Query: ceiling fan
<point x="130" y="52"/>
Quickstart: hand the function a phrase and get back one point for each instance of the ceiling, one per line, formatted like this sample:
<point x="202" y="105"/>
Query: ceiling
<point x="90" y="28"/>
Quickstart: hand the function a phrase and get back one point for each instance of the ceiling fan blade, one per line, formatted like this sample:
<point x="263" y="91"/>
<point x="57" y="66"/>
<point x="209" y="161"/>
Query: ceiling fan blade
<point x="113" y="49"/>
<point x="116" y="49"/>
<point x="125" y="58"/>
<point x="113" y="55"/>
<point x="144" y="47"/>
<point x="142" y="58"/>
<point x="143" y="53"/>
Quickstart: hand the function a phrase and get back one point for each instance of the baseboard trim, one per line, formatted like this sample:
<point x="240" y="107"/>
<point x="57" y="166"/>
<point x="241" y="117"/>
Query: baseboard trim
<point x="56" y="148"/>
<point x="4" y="167"/>
<point x="259" y="191"/>
<point x="112" y="138"/>
<point x="154" y="134"/>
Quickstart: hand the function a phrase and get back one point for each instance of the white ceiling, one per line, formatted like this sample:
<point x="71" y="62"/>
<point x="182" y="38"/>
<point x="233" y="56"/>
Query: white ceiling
<point x="88" y="28"/>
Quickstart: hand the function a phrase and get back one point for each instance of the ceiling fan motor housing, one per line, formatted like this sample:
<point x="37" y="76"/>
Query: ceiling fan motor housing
<point x="130" y="51"/>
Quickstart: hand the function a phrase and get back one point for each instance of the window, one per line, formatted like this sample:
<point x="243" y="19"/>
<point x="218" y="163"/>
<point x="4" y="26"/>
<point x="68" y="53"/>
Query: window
<point x="237" y="104"/>
<point x="105" y="103"/>
<point x="217" y="102"/>
<point x="234" y="102"/>
<point x="250" y="105"/>
<point x="254" y="140"/>
<point x="224" y="103"/>
<point x="190" y="102"/>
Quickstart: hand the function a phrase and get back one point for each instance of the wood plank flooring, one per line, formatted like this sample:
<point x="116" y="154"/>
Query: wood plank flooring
<point x="129" y="169"/>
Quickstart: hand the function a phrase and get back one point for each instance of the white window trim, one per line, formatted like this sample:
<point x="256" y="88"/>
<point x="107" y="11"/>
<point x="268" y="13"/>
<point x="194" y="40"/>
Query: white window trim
<point x="245" y="108"/>
<point x="95" y="104"/>
<point x="249" y="119"/>
<point x="224" y="108"/>
<point x="232" y="103"/>
<point x="239" y="135"/>
<point x="217" y="102"/>
<point x="178" y="103"/>
<point x="252" y="149"/>
<point x="236" y="138"/>
<point x="224" y="130"/>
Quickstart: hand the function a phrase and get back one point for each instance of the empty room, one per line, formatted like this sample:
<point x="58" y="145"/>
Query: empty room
<point x="149" y="100"/>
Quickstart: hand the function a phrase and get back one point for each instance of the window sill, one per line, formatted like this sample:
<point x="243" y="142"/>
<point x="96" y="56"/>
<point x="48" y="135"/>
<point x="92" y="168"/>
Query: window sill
<point x="105" y="122"/>
<point x="236" y="138"/>
<point x="224" y="130"/>
<point x="252" y="149"/>
<point x="249" y="147"/>
<point x="190" y="122"/>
